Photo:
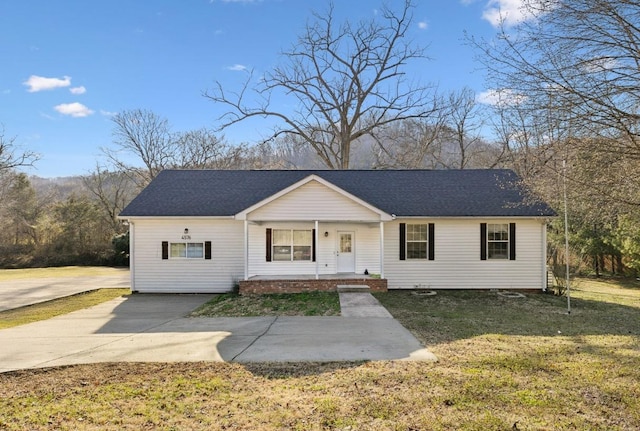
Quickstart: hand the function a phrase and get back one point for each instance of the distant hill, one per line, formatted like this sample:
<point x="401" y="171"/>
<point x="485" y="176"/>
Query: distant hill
<point x="60" y="188"/>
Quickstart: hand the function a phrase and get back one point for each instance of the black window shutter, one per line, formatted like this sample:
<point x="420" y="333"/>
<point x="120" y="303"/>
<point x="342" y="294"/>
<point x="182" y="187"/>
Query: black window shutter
<point x="512" y="241"/>
<point x="165" y="249"/>
<point x="313" y="245"/>
<point x="268" y="244"/>
<point x="207" y="250"/>
<point x="430" y="241"/>
<point x="403" y="241"/>
<point x="483" y="241"/>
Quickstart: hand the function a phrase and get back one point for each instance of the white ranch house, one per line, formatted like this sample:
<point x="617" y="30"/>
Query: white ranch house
<point x="274" y="230"/>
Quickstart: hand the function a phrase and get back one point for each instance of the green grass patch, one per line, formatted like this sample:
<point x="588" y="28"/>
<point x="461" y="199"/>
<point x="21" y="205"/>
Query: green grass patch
<point x="276" y="304"/>
<point x="57" y="307"/>
<point x="56" y="272"/>
<point x="611" y="290"/>
<point x="457" y="314"/>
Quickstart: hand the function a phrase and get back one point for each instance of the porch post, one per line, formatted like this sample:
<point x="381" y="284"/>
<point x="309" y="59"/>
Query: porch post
<point x="245" y="249"/>
<point x="381" y="249"/>
<point x="316" y="251"/>
<point x="132" y="255"/>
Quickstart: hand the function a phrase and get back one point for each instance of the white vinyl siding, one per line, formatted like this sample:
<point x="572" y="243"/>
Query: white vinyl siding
<point x="297" y="211"/>
<point x="313" y="201"/>
<point x="366" y="249"/>
<point x="457" y="263"/>
<point x="177" y="275"/>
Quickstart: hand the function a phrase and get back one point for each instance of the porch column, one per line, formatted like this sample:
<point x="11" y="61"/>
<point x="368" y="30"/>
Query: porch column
<point x="132" y="256"/>
<point x="245" y="249"/>
<point x="381" y="249"/>
<point x="543" y="257"/>
<point x="316" y="250"/>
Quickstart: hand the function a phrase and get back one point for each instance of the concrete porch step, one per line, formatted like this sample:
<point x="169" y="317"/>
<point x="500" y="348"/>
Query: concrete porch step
<point x="353" y="288"/>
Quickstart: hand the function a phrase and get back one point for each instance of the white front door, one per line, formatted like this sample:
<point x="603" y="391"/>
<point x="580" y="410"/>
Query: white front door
<point x="346" y="252"/>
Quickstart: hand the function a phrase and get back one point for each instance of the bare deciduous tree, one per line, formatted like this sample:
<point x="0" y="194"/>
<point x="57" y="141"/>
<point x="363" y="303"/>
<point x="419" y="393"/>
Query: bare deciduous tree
<point x="145" y="137"/>
<point x="578" y="56"/>
<point x="571" y="71"/>
<point x="452" y="139"/>
<point x="10" y="157"/>
<point x="112" y="191"/>
<point x="202" y="149"/>
<point x="575" y="63"/>
<point x="145" y="145"/>
<point x="347" y="81"/>
<point x="410" y="144"/>
<point x="463" y="127"/>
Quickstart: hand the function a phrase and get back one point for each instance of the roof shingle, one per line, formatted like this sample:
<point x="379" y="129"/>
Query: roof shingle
<point x="405" y="193"/>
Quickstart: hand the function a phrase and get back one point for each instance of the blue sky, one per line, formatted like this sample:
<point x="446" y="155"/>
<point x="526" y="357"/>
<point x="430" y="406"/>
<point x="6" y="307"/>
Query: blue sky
<point x="69" y="65"/>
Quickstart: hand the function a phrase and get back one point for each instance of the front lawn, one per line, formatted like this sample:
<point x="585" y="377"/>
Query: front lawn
<point x="504" y="364"/>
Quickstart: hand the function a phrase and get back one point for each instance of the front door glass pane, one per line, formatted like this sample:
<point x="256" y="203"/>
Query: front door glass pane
<point x="345" y="243"/>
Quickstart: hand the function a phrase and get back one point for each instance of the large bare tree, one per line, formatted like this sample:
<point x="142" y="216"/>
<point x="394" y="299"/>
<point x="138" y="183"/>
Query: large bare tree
<point x="346" y="81"/>
<point x="145" y="145"/>
<point x="141" y="136"/>
<point x="580" y="57"/>
<point x="569" y="73"/>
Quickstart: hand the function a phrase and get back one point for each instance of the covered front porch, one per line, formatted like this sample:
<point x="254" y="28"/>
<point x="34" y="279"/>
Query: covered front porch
<point x="312" y="236"/>
<point x="305" y="283"/>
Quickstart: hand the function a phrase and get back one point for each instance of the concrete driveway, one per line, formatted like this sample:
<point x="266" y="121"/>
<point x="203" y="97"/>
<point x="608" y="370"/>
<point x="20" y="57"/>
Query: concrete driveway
<point x="152" y="328"/>
<point x="18" y="293"/>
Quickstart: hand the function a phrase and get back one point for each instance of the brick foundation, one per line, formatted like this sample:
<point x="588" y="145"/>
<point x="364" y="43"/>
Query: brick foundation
<point x="248" y="287"/>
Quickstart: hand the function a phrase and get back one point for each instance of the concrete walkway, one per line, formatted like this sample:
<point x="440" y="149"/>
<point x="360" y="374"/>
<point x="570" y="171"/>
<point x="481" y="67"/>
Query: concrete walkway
<point x="152" y="328"/>
<point x="361" y="304"/>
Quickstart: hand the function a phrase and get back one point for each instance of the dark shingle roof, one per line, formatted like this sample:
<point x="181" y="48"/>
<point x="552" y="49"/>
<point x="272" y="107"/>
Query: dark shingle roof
<point x="432" y="193"/>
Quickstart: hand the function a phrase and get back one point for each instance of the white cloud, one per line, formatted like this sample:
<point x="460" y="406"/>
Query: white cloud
<point x="78" y="90"/>
<point x="75" y="109"/>
<point x="502" y="97"/>
<point x="40" y="83"/>
<point x="422" y="25"/>
<point x="601" y="64"/>
<point x="107" y="113"/>
<point x="507" y="12"/>
<point x="237" y="68"/>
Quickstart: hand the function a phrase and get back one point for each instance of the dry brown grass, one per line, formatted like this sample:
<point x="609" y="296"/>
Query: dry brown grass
<point x="56" y="272"/>
<point x="504" y="364"/>
<point x="275" y="304"/>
